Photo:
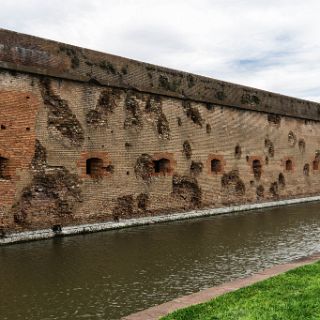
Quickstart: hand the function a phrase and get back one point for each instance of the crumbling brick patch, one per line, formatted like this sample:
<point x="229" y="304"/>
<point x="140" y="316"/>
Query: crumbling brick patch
<point x="302" y="145"/>
<point x="196" y="168"/>
<point x="163" y="126"/>
<point x="39" y="161"/>
<point x="4" y="172"/>
<point x="124" y="207"/>
<point x="60" y="116"/>
<point x="192" y="113"/>
<point x="250" y="99"/>
<point x="281" y="180"/>
<point x="190" y="81"/>
<point x="292" y="139"/>
<point x="260" y="191"/>
<point x="132" y="110"/>
<point x="107" y="102"/>
<point x="210" y="106"/>
<point x="72" y="54"/>
<point x="237" y="151"/>
<point x="274" y="119"/>
<point x="220" y="95"/>
<point x="154" y="103"/>
<point x="53" y="192"/>
<point x="269" y="146"/>
<point x="187" y="150"/>
<point x="143" y="201"/>
<point x="144" y="167"/>
<point x="167" y="84"/>
<point x="232" y="183"/>
<point x="274" y="189"/>
<point x="187" y="189"/>
<point x="154" y="106"/>
<point x="108" y="66"/>
<point x="257" y="169"/>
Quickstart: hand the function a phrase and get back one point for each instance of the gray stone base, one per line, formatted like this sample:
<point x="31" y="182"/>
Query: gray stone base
<point x="96" y="227"/>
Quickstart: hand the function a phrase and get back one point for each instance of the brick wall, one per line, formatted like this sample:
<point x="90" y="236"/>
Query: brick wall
<point x="75" y="151"/>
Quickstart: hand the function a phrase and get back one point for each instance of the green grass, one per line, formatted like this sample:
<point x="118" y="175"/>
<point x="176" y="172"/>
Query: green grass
<point x="292" y="295"/>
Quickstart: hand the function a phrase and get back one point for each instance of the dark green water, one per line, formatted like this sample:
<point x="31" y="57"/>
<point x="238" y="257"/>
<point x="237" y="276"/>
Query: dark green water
<point x="112" y="274"/>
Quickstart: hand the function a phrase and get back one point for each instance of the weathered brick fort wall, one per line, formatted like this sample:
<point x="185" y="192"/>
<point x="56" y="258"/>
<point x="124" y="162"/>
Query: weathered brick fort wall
<point x="86" y="137"/>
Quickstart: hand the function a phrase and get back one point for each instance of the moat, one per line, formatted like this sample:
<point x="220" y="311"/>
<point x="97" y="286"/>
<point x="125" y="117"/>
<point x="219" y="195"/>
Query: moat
<point x="111" y="274"/>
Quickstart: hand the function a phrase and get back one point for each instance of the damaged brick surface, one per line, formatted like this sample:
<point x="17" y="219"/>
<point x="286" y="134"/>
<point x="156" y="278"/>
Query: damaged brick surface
<point x="133" y="113"/>
<point x="196" y="168"/>
<point x="88" y="137"/>
<point x="124" y="207"/>
<point x="154" y="106"/>
<point x="269" y="146"/>
<point x="52" y="194"/>
<point x="39" y="161"/>
<point x="60" y="116"/>
<point x="107" y="102"/>
<point x="192" y="112"/>
<point x="187" y="150"/>
<point x="187" y="189"/>
<point x="144" y="167"/>
<point x="232" y="183"/>
<point x="129" y="206"/>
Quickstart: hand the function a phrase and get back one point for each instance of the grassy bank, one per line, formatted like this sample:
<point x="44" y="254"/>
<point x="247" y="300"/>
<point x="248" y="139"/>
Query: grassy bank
<point x="292" y="295"/>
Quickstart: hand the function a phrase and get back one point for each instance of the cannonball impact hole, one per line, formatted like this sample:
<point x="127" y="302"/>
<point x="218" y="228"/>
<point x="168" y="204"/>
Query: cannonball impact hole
<point x="257" y="169"/>
<point x="237" y="151"/>
<point x="281" y="180"/>
<point x="216" y="166"/>
<point x="161" y="166"/>
<point x="94" y="167"/>
<point x="289" y="165"/>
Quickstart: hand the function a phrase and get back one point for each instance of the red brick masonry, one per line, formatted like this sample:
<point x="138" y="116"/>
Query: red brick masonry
<point x="205" y="295"/>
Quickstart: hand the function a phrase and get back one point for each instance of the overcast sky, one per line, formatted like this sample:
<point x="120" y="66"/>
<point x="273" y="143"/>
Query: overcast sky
<point x="268" y="44"/>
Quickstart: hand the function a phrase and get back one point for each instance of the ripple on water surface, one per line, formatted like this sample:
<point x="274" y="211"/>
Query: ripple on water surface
<point x="111" y="274"/>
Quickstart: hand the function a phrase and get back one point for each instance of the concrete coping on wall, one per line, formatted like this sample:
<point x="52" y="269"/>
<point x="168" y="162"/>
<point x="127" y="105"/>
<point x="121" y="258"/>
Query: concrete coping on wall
<point x="33" y="55"/>
<point x="11" y="238"/>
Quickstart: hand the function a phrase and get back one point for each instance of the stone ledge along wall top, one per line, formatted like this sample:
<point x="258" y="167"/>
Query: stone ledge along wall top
<point x="24" y="53"/>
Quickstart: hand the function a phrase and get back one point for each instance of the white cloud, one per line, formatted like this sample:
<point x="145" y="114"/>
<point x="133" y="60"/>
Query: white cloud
<point x="272" y="45"/>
